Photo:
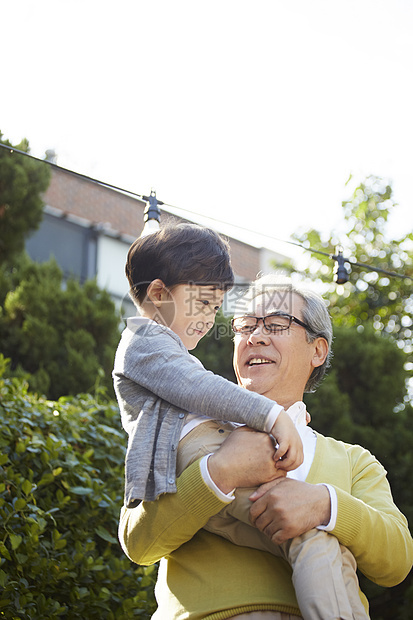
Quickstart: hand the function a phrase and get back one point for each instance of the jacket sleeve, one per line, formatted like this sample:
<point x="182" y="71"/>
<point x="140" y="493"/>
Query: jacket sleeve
<point x="153" y="530"/>
<point x="158" y="362"/>
<point x="370" y="524"/>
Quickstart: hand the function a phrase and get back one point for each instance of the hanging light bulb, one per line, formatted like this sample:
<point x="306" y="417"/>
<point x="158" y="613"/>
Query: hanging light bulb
<point x="341" y="273"/>
<point x="151" y="215"/>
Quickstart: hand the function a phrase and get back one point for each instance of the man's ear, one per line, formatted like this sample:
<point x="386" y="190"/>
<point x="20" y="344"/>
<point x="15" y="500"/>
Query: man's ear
<point x="320" y="352"/>
<point x="157" y="292"/>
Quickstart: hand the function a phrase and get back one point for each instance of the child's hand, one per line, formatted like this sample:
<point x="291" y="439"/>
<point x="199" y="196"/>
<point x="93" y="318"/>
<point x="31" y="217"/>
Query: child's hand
<point x="289" y="454"/>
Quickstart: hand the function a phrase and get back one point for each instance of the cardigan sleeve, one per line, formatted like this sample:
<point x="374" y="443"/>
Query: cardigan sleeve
<point x="370" y="524"/>
<point x="156" y="360"/>
<point x="153" y="530"/>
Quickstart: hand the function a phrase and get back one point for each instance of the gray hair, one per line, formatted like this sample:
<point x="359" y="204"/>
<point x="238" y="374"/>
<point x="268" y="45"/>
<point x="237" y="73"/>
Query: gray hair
<point x="315" y="314"/>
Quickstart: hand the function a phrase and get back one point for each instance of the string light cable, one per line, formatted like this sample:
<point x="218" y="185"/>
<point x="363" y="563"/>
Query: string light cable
<point x="341" y="272"/>
<point x="339" y="258"/>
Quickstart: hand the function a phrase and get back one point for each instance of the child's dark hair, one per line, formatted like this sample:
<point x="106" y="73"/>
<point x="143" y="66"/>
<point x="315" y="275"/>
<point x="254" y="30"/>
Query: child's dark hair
<point x="179" y="254"/>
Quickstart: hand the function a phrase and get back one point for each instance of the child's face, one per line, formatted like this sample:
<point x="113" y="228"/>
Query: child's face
<point x="193" y="310"/>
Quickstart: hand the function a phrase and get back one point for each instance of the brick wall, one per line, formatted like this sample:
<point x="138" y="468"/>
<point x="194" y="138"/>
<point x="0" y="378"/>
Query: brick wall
<point x="95" y="203"/>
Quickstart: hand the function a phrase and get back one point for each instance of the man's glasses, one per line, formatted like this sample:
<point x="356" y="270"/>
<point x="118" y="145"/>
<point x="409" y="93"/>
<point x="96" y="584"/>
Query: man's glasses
<point x="273" y="323"/>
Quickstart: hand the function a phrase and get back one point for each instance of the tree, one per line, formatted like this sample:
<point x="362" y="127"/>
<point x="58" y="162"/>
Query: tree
<point x="370" y="296"/>
<point x="61" y="336"/>
<point x="359" y="402"/>
<point x="22" y="180"/>
<point x="58" y="334"/>
<point x="364" y="397"/>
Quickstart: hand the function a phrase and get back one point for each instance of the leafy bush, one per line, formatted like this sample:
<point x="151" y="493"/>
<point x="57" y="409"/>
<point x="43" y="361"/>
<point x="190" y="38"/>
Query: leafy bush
<point x="61" y="490"/>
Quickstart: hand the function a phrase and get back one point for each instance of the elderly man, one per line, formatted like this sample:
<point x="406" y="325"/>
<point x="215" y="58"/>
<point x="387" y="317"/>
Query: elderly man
<point x="342" y="487"/>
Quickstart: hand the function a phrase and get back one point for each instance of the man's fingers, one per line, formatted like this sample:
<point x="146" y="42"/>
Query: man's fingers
<point x="259" y="518"/>
<point x="262" y="489"/>
<point x="265" y="523"/>
<point x="278" y="537"/>
<point x="270" y="527"/>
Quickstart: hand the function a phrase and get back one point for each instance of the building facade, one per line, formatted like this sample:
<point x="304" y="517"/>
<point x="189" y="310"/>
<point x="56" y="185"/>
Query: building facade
<point x="88" y="228"/>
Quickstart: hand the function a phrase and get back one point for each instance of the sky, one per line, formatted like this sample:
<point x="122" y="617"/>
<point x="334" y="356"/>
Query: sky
<point x="251" y="113"/>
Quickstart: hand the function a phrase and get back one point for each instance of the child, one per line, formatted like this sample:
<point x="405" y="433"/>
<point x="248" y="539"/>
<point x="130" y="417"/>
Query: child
<point x="178" y="277"/>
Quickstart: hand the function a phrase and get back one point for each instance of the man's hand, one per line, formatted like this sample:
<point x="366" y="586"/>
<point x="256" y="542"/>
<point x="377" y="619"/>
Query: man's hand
<point x="285" y="508"/>
<point x="290" y="453"/>
<point x="245" y="459"/>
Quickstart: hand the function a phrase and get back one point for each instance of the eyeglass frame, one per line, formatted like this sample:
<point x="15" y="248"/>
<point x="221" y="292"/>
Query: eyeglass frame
<point x="292" y="319"/>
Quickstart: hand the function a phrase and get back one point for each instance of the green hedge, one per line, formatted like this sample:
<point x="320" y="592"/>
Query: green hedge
<point x="61" y="488"/>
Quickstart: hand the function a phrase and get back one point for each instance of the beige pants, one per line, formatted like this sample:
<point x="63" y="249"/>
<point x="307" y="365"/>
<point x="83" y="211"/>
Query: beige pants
<point x="324" y="572"/>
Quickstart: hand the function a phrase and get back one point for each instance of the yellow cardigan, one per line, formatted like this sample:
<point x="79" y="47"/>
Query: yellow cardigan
<point x="204" y="576"/>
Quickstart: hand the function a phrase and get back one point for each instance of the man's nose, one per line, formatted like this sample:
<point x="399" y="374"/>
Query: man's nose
<point x="259" y="335"/>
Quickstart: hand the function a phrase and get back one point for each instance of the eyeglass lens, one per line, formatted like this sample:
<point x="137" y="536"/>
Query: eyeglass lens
<point x="272" y="323"/>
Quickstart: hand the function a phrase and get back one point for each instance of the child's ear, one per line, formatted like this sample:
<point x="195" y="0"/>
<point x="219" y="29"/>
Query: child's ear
<point x="157" y="292"/>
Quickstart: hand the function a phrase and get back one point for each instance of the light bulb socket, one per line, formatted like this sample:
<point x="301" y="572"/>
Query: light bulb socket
<point x="341" y="274"/>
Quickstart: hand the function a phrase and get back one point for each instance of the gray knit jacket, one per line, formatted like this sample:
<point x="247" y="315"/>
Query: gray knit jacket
<point x="157" y="382"/>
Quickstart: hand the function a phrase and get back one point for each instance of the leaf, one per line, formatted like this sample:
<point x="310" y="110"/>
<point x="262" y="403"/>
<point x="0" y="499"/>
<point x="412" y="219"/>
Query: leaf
<point x="4" y="602"/>
<point x="15" y="540"/>
<point x="4" y="551"/>
<point x="27" y="487"/>
<point x="20" y="504"/>
<point x="20" y="447"/>
<point x="81" y="490"/>
<point x="46" y="479"/>
<point x="100" y="531"/>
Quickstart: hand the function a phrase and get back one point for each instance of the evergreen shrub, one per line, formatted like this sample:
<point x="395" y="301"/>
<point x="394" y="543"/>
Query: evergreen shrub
<point x="61" y="489"/>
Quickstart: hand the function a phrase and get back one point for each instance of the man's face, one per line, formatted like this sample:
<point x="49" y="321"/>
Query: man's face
<point x="277" y="365"/>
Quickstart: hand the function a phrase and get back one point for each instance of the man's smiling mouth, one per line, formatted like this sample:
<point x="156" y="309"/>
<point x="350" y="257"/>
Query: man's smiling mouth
<point x="259" y="360"/>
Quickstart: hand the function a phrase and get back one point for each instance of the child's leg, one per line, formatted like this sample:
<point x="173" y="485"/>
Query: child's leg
<point x="205" y="438"/>
<point x="324" y="577"/>
<point x="233" y="521"/>
<point x="351" y="582"/>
